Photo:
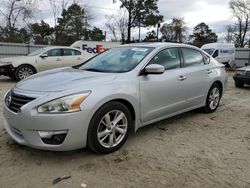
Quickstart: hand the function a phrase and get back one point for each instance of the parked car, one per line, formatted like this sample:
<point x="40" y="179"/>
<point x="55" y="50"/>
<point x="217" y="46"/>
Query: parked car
<point x="222" y="52"/>
<point x="42" y="59"/>
<point x="98" y="103"/>
<point x="242" y="77"/>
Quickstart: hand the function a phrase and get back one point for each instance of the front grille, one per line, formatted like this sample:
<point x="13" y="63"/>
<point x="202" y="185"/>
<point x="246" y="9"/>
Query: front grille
<point x="15" y="101"/>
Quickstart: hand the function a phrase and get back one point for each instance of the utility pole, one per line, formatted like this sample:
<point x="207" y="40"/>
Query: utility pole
<point x="158" y="26"/>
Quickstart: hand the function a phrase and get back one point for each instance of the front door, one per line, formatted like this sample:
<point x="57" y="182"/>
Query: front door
<point x="163" y="94"/>
<point x="54" y="59"/>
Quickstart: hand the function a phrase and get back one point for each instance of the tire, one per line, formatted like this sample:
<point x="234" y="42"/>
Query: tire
<point x="239" y="84"/>
<point x="213" y="98"/>
<point x="104" y="134"/>
<point x="23" y="72"/>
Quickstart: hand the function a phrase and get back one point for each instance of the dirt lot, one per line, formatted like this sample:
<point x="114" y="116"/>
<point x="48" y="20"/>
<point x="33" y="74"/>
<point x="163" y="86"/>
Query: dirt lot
<point x="191" y="150"/>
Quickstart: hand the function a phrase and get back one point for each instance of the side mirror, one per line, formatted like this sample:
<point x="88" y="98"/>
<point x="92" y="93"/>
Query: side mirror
<point x="44" y="56"/>
<point x="154" y="69"/>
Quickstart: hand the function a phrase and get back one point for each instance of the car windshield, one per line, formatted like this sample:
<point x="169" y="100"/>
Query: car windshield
<point x="209" y="51"/>
<point x="37" y="52"/>
<point x="118" y="60"/>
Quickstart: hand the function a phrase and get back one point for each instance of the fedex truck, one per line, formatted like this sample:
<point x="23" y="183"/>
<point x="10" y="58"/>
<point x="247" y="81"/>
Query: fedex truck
<point x="92" y="48"/>
<point x="222" y="52"/>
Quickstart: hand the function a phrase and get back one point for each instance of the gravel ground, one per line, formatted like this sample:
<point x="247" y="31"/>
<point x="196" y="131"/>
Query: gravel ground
<point x="191" y="150"/>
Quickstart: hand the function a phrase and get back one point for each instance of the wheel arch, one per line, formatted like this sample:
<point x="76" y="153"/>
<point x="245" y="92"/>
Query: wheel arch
<point x="125" y="102"/>
<point x="220" y="85"/>
<point x="26" y="64"/>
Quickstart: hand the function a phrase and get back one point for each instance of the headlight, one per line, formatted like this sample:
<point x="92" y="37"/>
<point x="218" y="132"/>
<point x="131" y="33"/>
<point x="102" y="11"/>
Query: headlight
<point x="241" y="72"/>
<point x="66" y="104"/>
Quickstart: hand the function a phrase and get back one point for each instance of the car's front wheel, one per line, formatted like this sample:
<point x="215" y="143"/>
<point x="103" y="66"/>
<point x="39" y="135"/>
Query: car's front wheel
<point x="213" y="98"/>
<point x="109" y="128"/>
<point x="23" y="72"/>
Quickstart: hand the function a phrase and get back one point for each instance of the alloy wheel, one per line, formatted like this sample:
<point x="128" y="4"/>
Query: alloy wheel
<point x="25" y="72"/>
<point x="112" y="128"/>
<point x="214" y="98"/>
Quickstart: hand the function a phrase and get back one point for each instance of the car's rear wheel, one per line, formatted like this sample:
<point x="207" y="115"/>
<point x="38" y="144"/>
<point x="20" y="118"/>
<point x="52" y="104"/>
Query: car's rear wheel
<point x="109" y="128"/>
<point x="239" y="84"/>
<point x="23" y="72"/>
<point x="213" y="98"/>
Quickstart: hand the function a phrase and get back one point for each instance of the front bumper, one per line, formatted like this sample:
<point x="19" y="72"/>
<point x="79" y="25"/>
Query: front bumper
<point x="6" y="70"/>
<point x="23" y="127"/>
<point x="245" y="79"/>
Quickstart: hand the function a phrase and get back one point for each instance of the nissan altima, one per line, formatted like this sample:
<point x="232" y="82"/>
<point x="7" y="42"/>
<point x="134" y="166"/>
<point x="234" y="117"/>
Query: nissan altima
<point x="98" y="103"/>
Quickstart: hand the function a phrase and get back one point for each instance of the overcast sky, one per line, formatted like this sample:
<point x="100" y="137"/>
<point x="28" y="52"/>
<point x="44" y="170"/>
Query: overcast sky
<point x="215" y="13"/>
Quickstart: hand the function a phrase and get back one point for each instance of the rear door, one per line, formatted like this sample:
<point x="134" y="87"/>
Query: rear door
<point x="197" y="72"/>
<point x="163" y="94"/>
<point x="53" y="60"/>
<point x="72" y="57"/>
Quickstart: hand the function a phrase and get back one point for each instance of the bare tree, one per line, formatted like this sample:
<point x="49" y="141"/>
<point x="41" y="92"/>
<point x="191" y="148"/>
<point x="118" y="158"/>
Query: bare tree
<point x="58" y="6"/>
<point x="16" y="10"/>
<point x="110" y="24"/>
<point x="117" y="25"/>
<point x="122" y="24"/>
<point x="15" y="13"/>
<point x="230" y="34"/>
<point x="241" y="12"/>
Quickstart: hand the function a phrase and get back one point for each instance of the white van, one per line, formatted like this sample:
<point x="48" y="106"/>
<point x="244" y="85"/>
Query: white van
<point x="92" y="48"/>
<point x="222" y="52"/>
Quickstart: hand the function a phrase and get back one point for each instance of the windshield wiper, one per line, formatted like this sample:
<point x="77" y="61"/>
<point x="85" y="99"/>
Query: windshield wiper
<point x="93" y="70"/>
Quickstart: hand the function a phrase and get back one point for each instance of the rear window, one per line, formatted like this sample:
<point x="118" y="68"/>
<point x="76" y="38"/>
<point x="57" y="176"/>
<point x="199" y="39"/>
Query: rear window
<point x="70" y="52"/>
<point x="192" y="57"/>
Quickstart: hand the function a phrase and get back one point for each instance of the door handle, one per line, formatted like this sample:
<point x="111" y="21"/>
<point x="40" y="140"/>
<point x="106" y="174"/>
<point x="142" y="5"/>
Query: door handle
<point x="58" y="59"/>
<point x="209" y="71"/>
<point x="182" y="78"/>
<point x="79" y="58"/>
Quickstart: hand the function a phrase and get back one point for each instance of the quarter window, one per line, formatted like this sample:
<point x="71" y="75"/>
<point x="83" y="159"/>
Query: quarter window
<point x="169" y="58"/>
<point x="192" y="57"/>
<point x="216" y="54"/>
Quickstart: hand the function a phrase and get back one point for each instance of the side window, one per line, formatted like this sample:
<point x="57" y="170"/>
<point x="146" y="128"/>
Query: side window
<point x="192" y="57"/>
<point x="76" y="52"/>
<point x="69" y="52"/>
<point x="54" y="52"/>
<point x="169" y="58"/>
<point x="216" y="54"/>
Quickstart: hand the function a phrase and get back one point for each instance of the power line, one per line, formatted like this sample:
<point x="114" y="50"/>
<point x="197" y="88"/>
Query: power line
<point x="103" y="8"/>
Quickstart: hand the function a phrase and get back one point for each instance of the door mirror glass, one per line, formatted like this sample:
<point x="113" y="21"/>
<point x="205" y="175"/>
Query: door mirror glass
<point x="154" y="69"/>
<point x="44" y="55"/>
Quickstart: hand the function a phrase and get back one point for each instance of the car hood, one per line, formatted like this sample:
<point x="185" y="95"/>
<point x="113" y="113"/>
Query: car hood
<point x="9" y="60"/>
<point x="63" y="79"/>
<point x="245" y="68"/>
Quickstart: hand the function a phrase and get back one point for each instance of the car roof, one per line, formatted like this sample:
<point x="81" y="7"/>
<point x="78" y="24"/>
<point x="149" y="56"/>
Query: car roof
<point x="245" y="68"/>
<point x="159" y="44"/>
<point x="67" y="47"/>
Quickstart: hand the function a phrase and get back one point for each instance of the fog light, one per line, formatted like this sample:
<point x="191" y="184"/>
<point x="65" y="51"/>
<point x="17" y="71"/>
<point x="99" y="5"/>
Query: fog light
<point x="53" y="137"/>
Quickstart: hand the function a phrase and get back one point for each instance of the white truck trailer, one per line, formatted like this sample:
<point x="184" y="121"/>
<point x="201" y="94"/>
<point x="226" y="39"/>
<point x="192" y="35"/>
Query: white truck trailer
<point x="92" y="48"/>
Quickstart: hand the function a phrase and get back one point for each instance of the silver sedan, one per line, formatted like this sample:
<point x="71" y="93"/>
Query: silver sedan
<point x="98" y="103"/>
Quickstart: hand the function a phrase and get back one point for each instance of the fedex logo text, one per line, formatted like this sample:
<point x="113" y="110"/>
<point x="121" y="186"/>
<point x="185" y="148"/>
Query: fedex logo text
<point x="98" y="49"/>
